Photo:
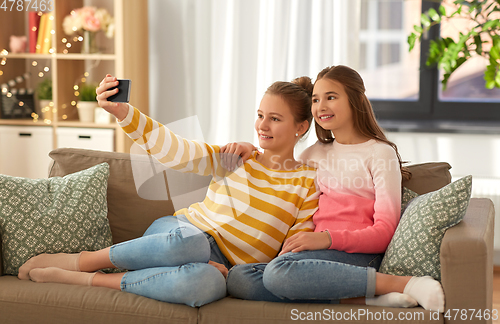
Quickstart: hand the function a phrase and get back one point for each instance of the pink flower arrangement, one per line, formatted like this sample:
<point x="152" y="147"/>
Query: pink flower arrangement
<point x="91" y="19"/>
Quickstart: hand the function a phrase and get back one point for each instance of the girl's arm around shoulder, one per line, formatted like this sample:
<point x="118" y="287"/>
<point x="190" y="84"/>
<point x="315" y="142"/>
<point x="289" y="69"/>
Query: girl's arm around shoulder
<point x="235" y="154"/>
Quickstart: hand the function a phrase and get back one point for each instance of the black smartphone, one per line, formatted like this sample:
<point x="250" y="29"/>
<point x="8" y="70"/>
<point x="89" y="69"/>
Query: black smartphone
<point x="123" y="94"/>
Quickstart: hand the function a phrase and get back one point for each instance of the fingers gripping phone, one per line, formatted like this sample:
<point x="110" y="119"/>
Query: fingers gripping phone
<point x="123" y="94"/>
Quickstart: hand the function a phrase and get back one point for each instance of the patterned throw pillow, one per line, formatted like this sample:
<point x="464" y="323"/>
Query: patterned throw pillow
<point x="415" y="247"/>
<point x="53" y="215"/>
<point x="407" y="196"/>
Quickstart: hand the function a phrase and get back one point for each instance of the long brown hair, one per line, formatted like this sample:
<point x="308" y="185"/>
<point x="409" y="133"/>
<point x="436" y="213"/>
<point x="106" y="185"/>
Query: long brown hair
<point x="364" y="117"/>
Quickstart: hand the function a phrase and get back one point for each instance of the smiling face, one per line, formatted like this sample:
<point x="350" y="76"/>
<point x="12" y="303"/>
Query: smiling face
<point x="331" y="108"/>
<point x="275" y="125"/>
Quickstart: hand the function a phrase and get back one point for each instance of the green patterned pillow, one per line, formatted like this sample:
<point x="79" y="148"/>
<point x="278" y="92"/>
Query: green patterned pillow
<point x="53" y="215"/>
<point x="415" y="247"/>
<point x="406" y="197"/>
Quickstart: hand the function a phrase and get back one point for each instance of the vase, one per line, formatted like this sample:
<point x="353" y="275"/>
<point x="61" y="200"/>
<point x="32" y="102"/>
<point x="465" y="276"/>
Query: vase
<point x="86" y="111"/>
<point x="89" y="45"/>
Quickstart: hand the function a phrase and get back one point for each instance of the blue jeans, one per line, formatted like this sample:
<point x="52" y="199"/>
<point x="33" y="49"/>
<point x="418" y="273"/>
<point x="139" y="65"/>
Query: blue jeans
<point x="169" y="263"/>
<point x="308" y="276"/>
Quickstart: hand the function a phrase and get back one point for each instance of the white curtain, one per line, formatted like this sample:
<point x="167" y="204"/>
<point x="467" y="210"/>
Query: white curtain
<point x="215" y="58"/>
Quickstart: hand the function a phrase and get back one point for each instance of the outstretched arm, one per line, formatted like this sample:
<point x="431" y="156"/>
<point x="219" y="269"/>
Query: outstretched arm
<point x="168" y="148"/>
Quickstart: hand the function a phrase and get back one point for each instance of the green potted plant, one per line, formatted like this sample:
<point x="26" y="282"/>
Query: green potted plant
<point x="44" y="96"/>
<point x="481" y="37"/>
<point x="87" y="102"/>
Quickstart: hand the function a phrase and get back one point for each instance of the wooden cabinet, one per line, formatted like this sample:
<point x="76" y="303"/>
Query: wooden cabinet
<point x="125" y="56"/>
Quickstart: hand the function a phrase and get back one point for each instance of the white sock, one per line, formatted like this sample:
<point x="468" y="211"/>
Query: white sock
<point x="393" y="299"/>
<point x="62" y="276"/>
<point x="427" y="292"/>
<point x="60" y="260"/>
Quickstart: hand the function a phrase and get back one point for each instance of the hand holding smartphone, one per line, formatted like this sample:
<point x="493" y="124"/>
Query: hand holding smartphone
<point x="123" y="94"/>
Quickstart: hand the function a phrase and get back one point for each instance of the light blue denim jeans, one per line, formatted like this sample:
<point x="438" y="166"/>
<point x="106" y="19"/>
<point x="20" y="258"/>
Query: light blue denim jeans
<point x="169" y="263"/>
<point x="323" y="276"/>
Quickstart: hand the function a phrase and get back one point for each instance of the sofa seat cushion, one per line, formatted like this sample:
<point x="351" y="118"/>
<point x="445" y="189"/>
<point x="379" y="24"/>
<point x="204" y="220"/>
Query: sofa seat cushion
<point x="232" y="310"/>
<point x="23" y="301"/>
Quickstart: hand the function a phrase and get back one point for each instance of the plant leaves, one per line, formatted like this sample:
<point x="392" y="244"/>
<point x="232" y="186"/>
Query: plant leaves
<point x="411" y="40"/>
<point x="432" y="13"/>
<point x="442" y="10"/>
<point x="425" y="20"/>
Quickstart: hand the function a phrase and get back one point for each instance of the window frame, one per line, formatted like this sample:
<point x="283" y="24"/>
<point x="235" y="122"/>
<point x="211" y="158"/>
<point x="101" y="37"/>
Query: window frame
<point x="428" y="112"/>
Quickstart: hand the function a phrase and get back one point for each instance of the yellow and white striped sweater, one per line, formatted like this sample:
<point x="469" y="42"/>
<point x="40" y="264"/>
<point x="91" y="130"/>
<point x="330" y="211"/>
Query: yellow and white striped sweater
<point x="250" y="211"/>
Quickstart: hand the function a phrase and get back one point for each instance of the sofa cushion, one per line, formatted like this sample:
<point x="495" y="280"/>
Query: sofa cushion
<point x="24" y="301"/>
<point x="53" y="215"/>
<point x="427" y="177"/>
<point x="232" y="310"/>
<point x="415" y="247"/>
<point x="132" y="209"/>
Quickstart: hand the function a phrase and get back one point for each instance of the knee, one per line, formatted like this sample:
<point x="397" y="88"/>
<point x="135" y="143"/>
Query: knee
<point x="243" y="281"/>
<point x="204" y="284"/>
<point x="275" y="277"/>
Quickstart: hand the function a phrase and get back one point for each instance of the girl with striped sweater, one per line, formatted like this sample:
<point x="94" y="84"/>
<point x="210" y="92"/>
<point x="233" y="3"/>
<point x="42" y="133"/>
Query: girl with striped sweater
<point x="245" y="218"/>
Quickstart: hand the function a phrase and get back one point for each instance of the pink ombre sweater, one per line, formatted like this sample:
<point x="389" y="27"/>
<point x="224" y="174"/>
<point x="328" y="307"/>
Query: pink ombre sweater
<point x="360" y="199"/>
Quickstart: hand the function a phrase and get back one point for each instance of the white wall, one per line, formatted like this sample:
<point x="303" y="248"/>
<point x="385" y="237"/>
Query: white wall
<point x="474" y="154"/>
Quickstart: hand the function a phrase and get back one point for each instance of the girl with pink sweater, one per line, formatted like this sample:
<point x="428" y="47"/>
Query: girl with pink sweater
<point x="359" y="173"/>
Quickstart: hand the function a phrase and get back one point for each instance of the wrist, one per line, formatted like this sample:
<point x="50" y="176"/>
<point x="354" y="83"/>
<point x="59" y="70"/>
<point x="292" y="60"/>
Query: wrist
<point x="328" y="237"/>
<point x="122" y="112"/>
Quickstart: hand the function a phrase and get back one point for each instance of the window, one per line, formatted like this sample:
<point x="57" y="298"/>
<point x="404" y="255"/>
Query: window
<point x="400" y="85"/>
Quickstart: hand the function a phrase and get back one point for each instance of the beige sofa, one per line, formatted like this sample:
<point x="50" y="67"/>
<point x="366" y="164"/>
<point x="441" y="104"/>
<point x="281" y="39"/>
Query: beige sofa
<point x="466" y="258"/>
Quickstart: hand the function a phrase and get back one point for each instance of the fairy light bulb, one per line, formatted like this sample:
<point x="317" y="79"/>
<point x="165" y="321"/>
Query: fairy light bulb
<point x="34" y="63"/>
